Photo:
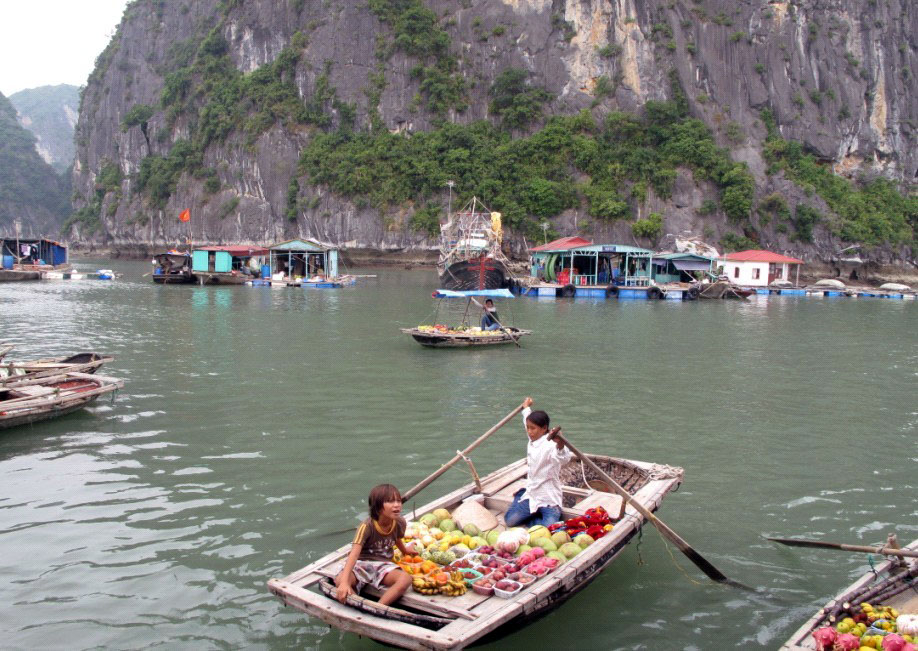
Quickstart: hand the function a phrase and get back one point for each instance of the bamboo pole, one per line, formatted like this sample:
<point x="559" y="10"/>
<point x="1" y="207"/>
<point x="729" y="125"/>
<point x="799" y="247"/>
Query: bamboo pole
<point x="449" y="464"/>
<point x="886" y="551"/>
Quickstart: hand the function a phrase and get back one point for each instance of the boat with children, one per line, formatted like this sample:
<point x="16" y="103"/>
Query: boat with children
<point x="878" y="611"/>
<point x="475" y="321"/>
<point x="438" y="612"/>
<point x="31" y="400"/>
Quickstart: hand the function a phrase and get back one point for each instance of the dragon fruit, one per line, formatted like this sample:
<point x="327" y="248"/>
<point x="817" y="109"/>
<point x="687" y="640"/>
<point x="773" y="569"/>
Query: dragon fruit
<point x="825" y="638"/>
<point x="847" y="642"/>
<point x="893" y="642"/>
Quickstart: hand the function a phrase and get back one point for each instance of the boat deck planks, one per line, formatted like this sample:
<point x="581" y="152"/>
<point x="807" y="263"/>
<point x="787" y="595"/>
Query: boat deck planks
<point x="475" y="616"/>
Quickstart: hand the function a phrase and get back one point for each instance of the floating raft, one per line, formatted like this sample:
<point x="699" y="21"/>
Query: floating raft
<point x="891" y="584"/>
<point x="419" y="621"/>
<point x="463" y="339"/>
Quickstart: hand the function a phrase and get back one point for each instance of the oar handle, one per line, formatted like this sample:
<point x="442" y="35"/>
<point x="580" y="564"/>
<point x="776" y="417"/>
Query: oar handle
<point x="502" y="327"/>
<point x="449" y="464"/>
<point x="866" y="549"/>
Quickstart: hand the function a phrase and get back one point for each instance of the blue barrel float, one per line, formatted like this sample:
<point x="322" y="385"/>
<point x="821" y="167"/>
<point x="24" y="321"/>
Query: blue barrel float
<point x="8" y="261"/>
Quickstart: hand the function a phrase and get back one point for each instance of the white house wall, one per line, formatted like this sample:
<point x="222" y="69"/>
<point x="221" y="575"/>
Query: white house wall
<point x="746" y="276"/>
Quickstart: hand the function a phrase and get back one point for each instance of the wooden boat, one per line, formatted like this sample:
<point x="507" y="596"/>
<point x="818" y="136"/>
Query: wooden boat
<point x="434" y="339"/>
<point x="893" y="583"/>
<point x="4" y="349"/>
<point x="79" y="363"/>
<point x="172" y="267"/>
<point x="32" y="400"/>
<point x="439" y="622"/>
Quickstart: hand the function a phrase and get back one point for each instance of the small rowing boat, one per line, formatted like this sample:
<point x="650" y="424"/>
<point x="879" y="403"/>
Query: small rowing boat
<point x="31" y="400"/>
<point x="434" y="338"/>
<point x="892" y="584"/>
<point x="79" y="363"/>
<point x="425" y="621"/>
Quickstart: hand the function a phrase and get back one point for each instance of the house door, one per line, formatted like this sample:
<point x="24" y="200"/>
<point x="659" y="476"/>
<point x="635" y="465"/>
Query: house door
<point x="771" y="273"/>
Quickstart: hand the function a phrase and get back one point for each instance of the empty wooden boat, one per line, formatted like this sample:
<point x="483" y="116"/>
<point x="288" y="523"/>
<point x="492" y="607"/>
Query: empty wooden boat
<point x="31" y="400"/>
<point x="79" y="363"/>
<point x="420" y="621"/>
<point x="892" y="583"/>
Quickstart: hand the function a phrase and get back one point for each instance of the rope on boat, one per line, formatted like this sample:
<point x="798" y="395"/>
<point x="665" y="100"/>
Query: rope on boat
<point x="676" y="563"/>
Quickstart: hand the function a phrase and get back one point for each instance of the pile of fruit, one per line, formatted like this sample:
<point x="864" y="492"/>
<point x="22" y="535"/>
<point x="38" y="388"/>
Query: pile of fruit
<point x="869" y="627"/>
<point x="451" y="585"/>
<point x="595" y="523"/>
<point x="460" y="330"/>
<point x="442" y="550"/>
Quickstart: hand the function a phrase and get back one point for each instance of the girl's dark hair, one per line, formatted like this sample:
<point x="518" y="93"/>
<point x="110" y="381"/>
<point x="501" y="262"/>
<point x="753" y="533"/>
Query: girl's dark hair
<point x="379" y="496"/>
<point x="539" y="418"/>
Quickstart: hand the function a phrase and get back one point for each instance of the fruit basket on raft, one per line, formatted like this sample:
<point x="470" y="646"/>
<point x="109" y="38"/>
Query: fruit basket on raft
<point x="451" y="607"/>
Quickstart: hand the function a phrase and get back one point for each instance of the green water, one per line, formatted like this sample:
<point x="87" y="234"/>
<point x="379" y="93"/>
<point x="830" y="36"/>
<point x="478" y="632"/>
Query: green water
<point x="254" y="421"/>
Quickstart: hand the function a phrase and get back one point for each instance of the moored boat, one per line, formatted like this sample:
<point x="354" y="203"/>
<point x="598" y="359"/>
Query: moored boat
<point x="424" y="621"/>
<point x="31" y="400"/>
<point x="79" y="363"/>
<point x="172" y="267"/>
<point x="893" y="583"/>
<point x="227" y="265"/>
<point x="470" y="250"/>
<point x="432" y="337"/>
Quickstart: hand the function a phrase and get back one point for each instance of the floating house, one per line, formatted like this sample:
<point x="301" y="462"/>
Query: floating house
<point x="757" y="268"/>
<point x="304" y="263"/>
<point x="28" y="259"/>
<point x="578" y="262"/>
<point x="227" y="265"/>
<point x="681" y="267"/>
<point x="172" y="267"/>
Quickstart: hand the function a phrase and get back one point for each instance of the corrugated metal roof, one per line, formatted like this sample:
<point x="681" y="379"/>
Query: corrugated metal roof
<point x="681" y="256"/>
<point x="563" y="244"/>
<point x="758" y="255"/>
<point x="302" y="245"/>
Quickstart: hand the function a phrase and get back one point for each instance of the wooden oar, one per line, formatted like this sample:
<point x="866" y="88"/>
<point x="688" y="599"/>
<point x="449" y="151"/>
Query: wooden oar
<point x="449" y="464"/>
<point x="703" y="564"/>
<point x="507" y="330"/>
<point x="886" y="551"/>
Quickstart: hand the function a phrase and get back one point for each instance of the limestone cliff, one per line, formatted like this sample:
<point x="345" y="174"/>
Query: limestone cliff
<point x="50" y="113"/>
<point x="165" y="125"/>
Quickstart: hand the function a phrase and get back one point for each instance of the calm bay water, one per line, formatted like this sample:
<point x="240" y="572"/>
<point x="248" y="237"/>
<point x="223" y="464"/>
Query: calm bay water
<point x="254" y="421"/>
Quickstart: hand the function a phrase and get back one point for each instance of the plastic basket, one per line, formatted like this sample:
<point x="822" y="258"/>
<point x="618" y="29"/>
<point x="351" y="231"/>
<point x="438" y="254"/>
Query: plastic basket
<point x="507" y="594"/>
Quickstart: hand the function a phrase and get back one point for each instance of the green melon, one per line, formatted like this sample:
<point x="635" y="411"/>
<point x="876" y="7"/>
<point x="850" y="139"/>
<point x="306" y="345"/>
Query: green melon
<point x="442" y="514"/>
<point x="430" y="519"/>
<point x="492" y="537"/>
<point x="558" y="556"/>
<point x="521" y="549"/>
<point x="539" y="531"/>
<point x="560" y="537"/>
<point x="447" y="525"/>
<point x="546" y="544"/>
<point x="570" y="549"/>
<point x="470" y="530"/>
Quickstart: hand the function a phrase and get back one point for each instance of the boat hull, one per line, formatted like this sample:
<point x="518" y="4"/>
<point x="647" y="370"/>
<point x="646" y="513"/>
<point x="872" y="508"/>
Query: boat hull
<point x="10" y="275"/>
<point x="173" y="279"/>
<point x="208" y="278"/>
<point x="32" y="401"/>
<point x="477" y="273"/>
<point x="56" y="412"/>
<point x="437" y="340"/>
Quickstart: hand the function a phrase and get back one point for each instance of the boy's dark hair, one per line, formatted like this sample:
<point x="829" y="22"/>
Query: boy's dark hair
<point x="489" y="301"/>
<point x="539" y="418"/>
<point x="379" y="496"/>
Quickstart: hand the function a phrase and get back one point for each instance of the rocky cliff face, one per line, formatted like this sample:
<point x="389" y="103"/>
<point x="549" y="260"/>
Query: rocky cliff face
<point x="50" y="113"/>
<point x="31" y="192"/>
<point x="835" y="76"/>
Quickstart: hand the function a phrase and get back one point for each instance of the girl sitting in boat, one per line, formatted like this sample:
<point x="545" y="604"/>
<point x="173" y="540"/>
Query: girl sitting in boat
<point x="370" y="561"/>
<point x="540" y="501"/>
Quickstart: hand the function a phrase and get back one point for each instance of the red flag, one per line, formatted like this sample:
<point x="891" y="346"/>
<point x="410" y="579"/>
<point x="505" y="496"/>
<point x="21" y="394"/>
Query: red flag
<point x="185" y="216"/>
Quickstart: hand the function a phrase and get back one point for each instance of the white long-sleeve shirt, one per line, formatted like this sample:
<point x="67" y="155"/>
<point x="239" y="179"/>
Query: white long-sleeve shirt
<point x="543" y="483"/>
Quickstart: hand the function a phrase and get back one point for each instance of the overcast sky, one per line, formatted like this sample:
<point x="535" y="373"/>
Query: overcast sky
<point x="49" y="42"/>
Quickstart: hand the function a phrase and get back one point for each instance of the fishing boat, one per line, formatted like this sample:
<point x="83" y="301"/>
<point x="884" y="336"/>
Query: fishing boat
<point x="420" y="621"/>
<point x="470" y="250"/>
<point x="172" y="267"/>
<point x="464" y="312"/>
<point x="79" y="363"/>
<point x="4" y="349"/>
<point x="31" y="400"/>
<point x="891" y="583"/>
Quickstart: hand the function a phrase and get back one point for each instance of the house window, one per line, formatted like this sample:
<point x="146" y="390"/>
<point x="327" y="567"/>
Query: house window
<point x="779" y="272"/>
<point x="756" y="273"/>
<point x="736" y="271"/>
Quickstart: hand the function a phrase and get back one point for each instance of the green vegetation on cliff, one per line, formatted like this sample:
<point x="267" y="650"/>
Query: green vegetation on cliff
<point x="29" y="187"/>
<point x="534" y="176"/>
<point x="872" y="211"/>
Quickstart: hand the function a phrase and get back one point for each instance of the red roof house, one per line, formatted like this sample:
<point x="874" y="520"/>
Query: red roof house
<point x="757" y="268"/>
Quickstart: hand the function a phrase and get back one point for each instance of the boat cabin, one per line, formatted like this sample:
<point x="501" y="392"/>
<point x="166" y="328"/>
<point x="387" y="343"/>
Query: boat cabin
<point x="576" y="261"/>
<point x="224" y="262"/>
<point x="172" y="267"/>
<point x="32" y="254"/>
<point x="681" y="267"/>
<point x="298" y="261"/>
